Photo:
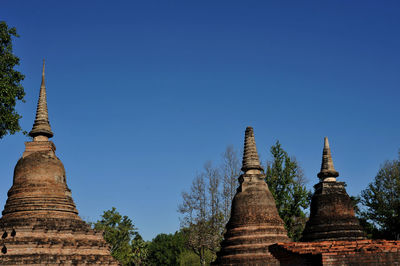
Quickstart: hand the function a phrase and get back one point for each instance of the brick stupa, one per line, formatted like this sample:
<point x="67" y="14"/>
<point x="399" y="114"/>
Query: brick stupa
<point x="40" y="223"/>
<point x="332" y="211"/>
<point x="254" y="223"/>
<point x="333" y="234"/>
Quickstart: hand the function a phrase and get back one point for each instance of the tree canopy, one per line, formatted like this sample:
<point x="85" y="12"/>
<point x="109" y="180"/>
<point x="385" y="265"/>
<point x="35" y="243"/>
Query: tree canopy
<point x="11" y="89"/>
<point x="287" y="184"/>
<point x="127" y="246"/>
<point x="382" y="201"/>
<point x="166" y="249"/>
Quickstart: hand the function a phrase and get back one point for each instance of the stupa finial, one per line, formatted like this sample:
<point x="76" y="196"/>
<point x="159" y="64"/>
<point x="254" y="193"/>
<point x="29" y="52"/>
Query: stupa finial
<point x="250" y="155"/>
<point x="328" y="172"/>
<point x="41" y="130"/>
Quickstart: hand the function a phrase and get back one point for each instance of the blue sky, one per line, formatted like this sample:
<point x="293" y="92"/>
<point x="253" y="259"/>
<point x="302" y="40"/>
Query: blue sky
<point x="142" y="94"/>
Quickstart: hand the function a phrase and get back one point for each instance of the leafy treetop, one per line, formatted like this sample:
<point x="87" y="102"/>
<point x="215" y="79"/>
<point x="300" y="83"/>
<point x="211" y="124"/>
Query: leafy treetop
<point x="287" y="184"/>
<point x="382" y="201"/>
<point x="11" y="88"/>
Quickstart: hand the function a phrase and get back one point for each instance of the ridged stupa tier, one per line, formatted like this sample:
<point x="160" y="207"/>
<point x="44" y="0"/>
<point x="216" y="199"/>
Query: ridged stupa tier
<point x="332" y="211"/>
<point x="254" y="224"/>
<point x="40" y="223"/>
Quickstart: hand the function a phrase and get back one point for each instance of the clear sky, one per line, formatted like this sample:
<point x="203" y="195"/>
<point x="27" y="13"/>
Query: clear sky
<point x="142" y="94"/>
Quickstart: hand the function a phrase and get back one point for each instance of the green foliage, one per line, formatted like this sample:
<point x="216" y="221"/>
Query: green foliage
<point x="127" y="246"/>
<point x="172" y="249"/>
<point x="11" y="89"/>
<point x="370" y="230"/>
<point x="166" y="249"/>
<point x="286" y="183"/>
<point x="382" y="201"/>
<point x="140" y="250"/>
<point x="189" y="258"/>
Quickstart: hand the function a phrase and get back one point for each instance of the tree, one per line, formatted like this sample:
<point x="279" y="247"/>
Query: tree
<point x="140" y="250"/>
<point x="382" y="200"/>
<point x="11" y="88"/>
<point x="286" y="182"/>
<point x="370" y="230"/>
<point x="230" y="170"/>
<point x="166" y="249"/>
<point x="122" y="236"/>
<point x="189" y="258"/>
<point x="203" y="220"/>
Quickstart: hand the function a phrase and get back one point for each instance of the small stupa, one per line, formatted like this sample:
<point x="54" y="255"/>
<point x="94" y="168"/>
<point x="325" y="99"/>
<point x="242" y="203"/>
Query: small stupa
<point x="40" y="223"/>
<point x="332" y="211"/>
<point x="254" y="223"/>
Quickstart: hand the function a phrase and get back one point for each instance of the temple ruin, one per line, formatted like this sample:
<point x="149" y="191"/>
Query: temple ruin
<point x="255" y="234"/>
<point x="40" y="223"/>
<point x="254" y="224"/>
<point x="332" y="211"/>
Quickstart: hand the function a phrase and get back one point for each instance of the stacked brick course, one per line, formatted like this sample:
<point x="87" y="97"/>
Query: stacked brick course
<point x="40" y="224"/>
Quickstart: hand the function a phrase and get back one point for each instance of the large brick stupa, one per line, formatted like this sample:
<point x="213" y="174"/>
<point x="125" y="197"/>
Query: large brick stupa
<point x="254" y="223"/>
<point x="40" y="223"/>
<point x="332" y="211"/>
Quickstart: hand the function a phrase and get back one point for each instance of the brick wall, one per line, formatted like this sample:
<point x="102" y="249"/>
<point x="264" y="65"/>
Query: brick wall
<point x="361" y="252"/>
<point x="353" y="258"/>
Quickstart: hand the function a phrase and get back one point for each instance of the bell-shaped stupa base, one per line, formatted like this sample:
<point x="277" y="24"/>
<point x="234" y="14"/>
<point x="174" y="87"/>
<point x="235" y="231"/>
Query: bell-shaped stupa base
<point x="254" y="225"/>
<point x="40" y="223"/>
<point x="332" y="215"/>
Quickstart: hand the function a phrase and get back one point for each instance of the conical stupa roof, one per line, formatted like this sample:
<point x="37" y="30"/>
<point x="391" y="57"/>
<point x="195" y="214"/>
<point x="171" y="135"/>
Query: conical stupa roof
<point x="327" y="168"/>
<point x="250" y="155"/>
<point x="41" y="126"/>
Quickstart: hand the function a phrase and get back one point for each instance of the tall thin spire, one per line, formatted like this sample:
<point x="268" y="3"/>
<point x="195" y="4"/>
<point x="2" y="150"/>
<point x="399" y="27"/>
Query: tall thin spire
<point x="250" y="155"/>
<point x="328" y="172"/>
<point x="41" y="126"/>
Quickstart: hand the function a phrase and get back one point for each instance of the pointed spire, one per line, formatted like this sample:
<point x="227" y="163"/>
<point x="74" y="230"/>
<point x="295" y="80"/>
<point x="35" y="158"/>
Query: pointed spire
<point x="250" y="155"/>
<point x="41" y="126"/>
<point x="328" y="172"/>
